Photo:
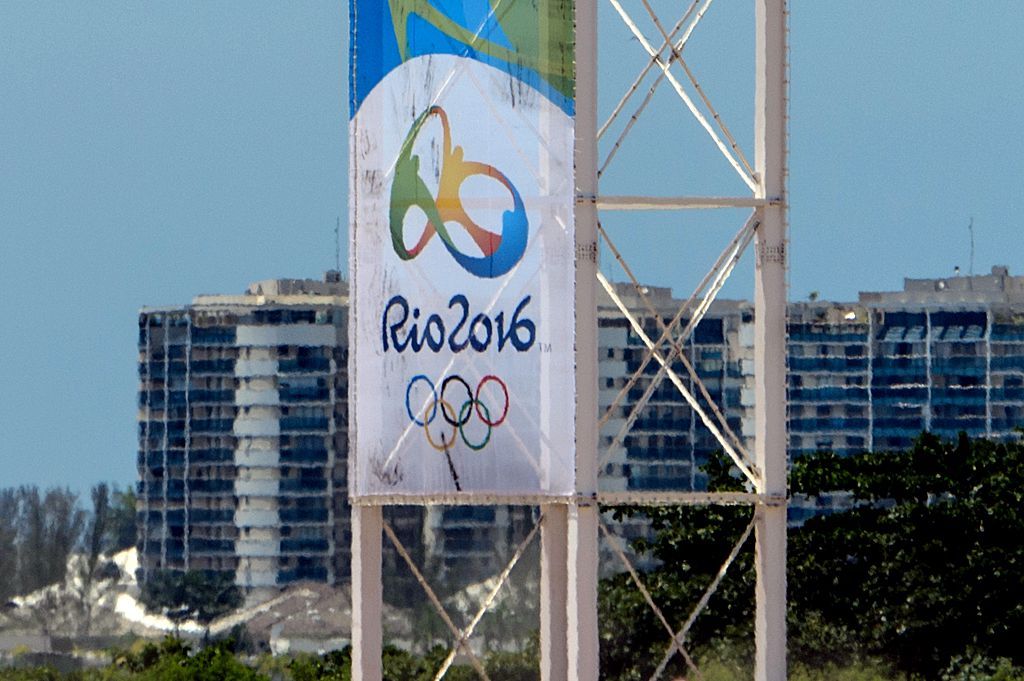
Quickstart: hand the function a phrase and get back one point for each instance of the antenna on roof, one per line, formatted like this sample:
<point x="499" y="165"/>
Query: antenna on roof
<point x="337" y="244"/>
<point x="970" y="228"/>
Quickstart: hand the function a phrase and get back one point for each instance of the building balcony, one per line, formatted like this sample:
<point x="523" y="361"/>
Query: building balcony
<point x="219" y="516"/>
<point x="813" y="425"/>
<point x="256" y="488"/>
<point x="208" y="546"/>
<point x="829" y="394"/>
<point x="250" y="548"/>
<point x="211" y="486"/>
<point x="316" y="574"/>
<point x="830" y="364"/>
<point x="303" y="455"/>
<point x="256" y="518"/>
<point x="213" y="366"/>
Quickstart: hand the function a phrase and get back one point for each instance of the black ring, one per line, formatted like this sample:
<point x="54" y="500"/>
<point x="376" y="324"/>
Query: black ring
<point x="459" y="422"/>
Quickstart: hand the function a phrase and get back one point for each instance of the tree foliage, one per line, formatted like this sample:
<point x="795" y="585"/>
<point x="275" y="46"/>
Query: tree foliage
<point x="198" y="594"/>
<point x="8" y="543"/>
<point x="121" y="526"/>
<point x="174" y="660"/>
<point x="924" y="570"/>
<point x="929" y="565"/>
<point x="37" y="534"/>
<point x="400" y="665"/>
<point x="39" y="530"/>
<point x="95" y="543"/>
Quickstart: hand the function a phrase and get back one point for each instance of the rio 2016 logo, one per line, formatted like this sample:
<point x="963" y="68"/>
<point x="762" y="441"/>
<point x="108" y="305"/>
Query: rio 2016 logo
<point x="500" y="252"/>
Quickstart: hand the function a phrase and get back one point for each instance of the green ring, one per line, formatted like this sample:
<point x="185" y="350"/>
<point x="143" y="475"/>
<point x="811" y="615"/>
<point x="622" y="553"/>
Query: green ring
<point x="467" y="405"/>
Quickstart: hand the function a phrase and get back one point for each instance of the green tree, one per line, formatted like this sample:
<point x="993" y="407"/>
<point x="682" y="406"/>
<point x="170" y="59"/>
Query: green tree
<point x="94" y="542"/>
<point x="49" y="529"/>
<point x="173" y="660"/>
<point x="121" y="527"/>
<point x="333" y="666"/>
<point x="8" y="543"/>
<point x="925" y="568"/>
<point x="690" y="543"/>
<point x="928" y="566"/>
<point x="203" y="595"/>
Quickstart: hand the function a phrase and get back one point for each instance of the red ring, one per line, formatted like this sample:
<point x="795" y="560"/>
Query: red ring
<point x="476" y="399"/>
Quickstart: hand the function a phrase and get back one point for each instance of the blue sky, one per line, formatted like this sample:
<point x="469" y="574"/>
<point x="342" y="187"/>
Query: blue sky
<point x="152" y="151"/>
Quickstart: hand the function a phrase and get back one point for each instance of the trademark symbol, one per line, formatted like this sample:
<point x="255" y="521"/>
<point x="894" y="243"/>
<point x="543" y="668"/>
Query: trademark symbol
<point x="544" y="347"/>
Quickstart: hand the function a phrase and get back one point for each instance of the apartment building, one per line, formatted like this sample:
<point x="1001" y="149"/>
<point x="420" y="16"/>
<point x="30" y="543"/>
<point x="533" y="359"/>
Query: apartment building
<point x="242" y="434"/>
<point x="942" y="355"/>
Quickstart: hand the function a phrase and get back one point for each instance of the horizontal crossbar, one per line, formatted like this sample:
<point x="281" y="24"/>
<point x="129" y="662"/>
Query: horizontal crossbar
<point x="669" y="498"/>
<point x="467" y="499"/>
<point x="677" y="202"/>
<point x="632" y="498"/>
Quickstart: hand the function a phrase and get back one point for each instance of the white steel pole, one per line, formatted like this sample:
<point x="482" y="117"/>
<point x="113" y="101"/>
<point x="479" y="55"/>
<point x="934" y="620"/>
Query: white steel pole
<point x="582" y="636"/>
<point x="554" y="529"/>
<point x="770" y="341"/>
<point x="367" y="593"/>
<point x="554" y="565"/>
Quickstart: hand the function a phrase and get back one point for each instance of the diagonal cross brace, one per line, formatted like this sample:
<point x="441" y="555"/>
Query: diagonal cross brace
<point x="744" y="467"/>
<point x="739" y="244"/>
<point x="650" y="91"/>
<point x="700" y="91"/>
<point x="651" y="63"/>
<point x="488" y="601"/>
<point x="731" y="252"/>
<point x="436" y="602"/>
<point x="677" y="86"/>
<point x="676" y="343"/>
<point x="677" y="642"/>
<point x="704" y="599"/>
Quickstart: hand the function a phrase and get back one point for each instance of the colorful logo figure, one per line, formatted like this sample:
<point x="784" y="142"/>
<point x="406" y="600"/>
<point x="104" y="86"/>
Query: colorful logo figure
<point x="457" y="419"/>
<point x="500" y="252"/>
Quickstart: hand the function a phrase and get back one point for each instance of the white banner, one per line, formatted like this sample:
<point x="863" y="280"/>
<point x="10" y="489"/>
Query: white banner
<point x="462" y="364"/>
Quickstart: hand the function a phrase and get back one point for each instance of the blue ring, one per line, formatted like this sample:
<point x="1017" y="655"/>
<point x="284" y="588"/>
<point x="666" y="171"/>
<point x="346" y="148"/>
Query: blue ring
<point x="433" y="406"/>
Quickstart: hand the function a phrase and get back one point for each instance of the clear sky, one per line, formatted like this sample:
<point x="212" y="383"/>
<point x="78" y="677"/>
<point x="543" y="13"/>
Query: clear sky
<point x="152" y="151"/>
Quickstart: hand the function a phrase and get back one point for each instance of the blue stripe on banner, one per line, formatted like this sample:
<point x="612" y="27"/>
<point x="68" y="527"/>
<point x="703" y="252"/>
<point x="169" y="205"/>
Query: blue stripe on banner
<point x="374" y="51"/>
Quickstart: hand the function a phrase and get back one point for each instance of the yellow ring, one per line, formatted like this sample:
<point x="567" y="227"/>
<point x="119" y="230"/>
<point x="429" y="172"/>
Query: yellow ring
<point x="444" y="446"/>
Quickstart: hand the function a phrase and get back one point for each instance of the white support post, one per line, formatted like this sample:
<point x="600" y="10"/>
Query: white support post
<point x="367" y="593"/>
<point x="770" y="341"/>
<point x="582" y="637"/>
<point x="583" y="645"/>
<point x="554" y="566"/>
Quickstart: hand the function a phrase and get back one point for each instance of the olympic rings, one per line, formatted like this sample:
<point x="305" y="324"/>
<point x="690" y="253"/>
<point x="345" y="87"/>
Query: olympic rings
<point x="472" y="406"/>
